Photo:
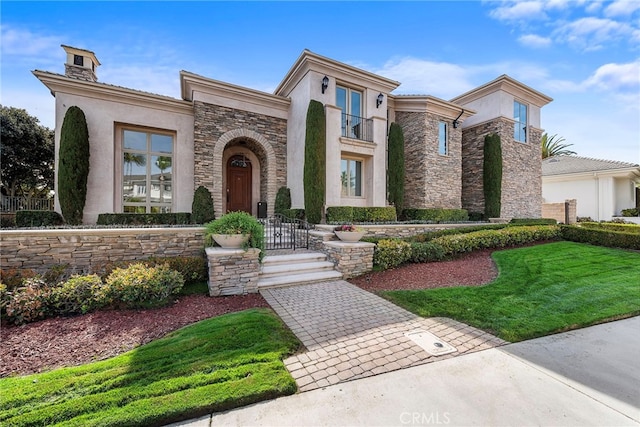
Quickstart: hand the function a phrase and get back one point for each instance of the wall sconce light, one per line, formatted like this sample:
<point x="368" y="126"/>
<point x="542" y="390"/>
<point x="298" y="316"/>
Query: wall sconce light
<point x="325" y="83"/>
<point x="379" y="100"/>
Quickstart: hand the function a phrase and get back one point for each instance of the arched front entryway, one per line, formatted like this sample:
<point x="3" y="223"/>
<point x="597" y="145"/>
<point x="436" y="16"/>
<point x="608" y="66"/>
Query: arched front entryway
<point x="239" y="184"/>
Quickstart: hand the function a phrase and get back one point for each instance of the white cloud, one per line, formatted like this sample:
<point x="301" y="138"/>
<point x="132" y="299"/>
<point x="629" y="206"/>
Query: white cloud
<point x="161" y="80"/>
<point x="22" y="42"/>
<point x="624" y="78"/>
<point x="519" y="10"/>
<point x="535" y="41"/>
<point x="592" y="33"/>
<point x="622" y="8"/>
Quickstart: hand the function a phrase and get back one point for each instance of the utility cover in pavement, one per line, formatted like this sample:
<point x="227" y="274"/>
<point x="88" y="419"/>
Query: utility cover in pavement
<point x="430" y="343"/>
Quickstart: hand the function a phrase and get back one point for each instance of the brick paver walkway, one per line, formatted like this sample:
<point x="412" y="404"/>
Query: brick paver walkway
<point x="350" y="333"/>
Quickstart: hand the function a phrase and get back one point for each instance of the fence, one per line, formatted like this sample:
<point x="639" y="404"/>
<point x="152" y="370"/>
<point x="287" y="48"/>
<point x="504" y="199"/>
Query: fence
<point x="13" y="204"/>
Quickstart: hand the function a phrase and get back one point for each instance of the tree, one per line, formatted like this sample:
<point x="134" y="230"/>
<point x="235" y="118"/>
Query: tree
<point x="28" y="153"/>
<point x="492" y="176"/>
<point x="202" y="206"/>
<point x="554" y="147"/>
<point x="73" y="167"/>
<point x="396" y="167"/>
<point x="314" y="162"/>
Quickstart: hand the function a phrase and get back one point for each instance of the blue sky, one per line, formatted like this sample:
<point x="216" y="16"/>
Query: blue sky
<point x="584" y="54"/>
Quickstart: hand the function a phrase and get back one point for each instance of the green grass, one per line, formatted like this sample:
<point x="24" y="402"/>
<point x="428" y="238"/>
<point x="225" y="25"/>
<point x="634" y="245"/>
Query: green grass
<point x="540" y="290"/>
<point x="213" y="365"/>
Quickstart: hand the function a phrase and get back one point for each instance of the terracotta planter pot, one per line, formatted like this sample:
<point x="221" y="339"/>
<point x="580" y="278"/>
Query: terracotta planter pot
<point x="231" y="241"/>
<point x="350" y="236"/>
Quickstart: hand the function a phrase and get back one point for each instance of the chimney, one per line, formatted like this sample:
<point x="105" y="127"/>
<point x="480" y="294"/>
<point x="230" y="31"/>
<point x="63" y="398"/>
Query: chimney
<point x="81" y="64"/>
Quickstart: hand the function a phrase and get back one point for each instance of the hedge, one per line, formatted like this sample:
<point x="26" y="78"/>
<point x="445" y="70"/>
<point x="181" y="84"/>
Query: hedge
<point x="631" y="212"/>
<point x="533" y="221"/>
<point x="177" y="218"/>
<point x="426" y="237"/>
<point x="608" y="226"/>
<point x="391" y="253"/>
<point x="601" y="237"/>
<point x="361" y="214"/>
<point x="436" y="215"/>
<point x="38" y="219"/>
<point x="293" y="213"/>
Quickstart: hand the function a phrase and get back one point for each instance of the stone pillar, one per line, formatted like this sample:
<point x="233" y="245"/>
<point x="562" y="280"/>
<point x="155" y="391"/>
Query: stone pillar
<point x="317" y="239"/>
<point x="233" y="271"/>
<point x="350" y="259"/>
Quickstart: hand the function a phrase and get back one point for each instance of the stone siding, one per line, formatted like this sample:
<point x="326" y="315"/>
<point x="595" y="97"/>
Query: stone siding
<point x="217" y="127"/>
<point x="521" y="170"/>
<point x="89" y="249"/>
<point x="561" y="211"/>
<point x="431" y="180"/>
<point x="81" y="73"/>
<point x="233" y="271"/>
<point x="350" y="259"/>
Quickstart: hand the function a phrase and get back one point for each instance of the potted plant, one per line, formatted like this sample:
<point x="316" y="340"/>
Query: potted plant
<point x="349" y="232"/>
<point x="235" y="230"/>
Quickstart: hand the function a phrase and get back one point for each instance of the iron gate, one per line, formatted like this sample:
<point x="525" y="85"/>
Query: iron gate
<point x="281" y="232"/>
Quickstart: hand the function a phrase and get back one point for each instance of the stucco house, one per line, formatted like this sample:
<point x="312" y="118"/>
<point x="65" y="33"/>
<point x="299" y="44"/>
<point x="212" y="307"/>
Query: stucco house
<point x="149" y="152"/>
<point x="601" y="188"/>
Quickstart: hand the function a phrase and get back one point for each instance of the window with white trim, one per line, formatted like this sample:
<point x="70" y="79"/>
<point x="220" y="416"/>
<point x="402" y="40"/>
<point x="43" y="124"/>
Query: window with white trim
<point x="351" y="177"/>
<point x="147" y="172"/>
<point x="520" y="125"/>
<point x="443" y="141"/>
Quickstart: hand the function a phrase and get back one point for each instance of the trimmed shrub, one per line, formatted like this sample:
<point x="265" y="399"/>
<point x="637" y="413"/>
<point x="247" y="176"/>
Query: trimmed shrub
<point x="374" y="214"/>
<point x="283" y="201"/>
<point x="631" y="212"/>
<point x="340" y="214"/>
<point x="426" y="252"/>
<point x="391" y="253"/>
<point x="476" y="216"/>
<point x="38" y="219"/>
<point x="194" y="269"/>
<point x="29" y="303"/>
<point x="533" y="221"/>
<point x="140" y="286"/>
<point x="177" y="218"/>
<point x="426" y="237"/>
<point x="484" y="239"/>
<point x="293" y="213"/>
<point x="492" y="176"/>
<point x="609" y="226"/>
<point x="314" y="162"/>
<point x="436" y="215"/>
<point x="395" y="169"/>
<point x="13" y="277"/>
<point x="78" y="295"/>
<point x="73" y="165"/>
<point x="7" y="221"/>
<point x="600" y="237"/>
<point x="202" y="206"/>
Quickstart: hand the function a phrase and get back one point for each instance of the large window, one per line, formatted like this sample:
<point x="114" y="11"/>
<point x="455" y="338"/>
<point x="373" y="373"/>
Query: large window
<point x="147" y="171"/>
<point x="443" y="142"/>
<point x="520" y="125"/>
<point x="351" y="177"/>
<point x="350" y="102"/>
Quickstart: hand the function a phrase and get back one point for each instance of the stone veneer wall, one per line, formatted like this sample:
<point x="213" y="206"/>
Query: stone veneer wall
<point x="521" y="170"/>
<point x="233" y="271"/>
<point x="81" y="73"/>
<point x="88" y="249"/>
<point x="350" y="259"/>
<point x="431" y="180"/>
<point x="211" y="122"/>
<point x="561" y="211"/>
<point x="324" y="233"/>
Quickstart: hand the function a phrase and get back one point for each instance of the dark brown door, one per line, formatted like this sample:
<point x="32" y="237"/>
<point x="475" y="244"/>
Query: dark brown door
<point x="238" y="184"/>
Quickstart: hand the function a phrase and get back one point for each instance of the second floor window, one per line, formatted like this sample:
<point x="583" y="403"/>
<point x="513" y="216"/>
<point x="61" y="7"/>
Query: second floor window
<point x="520" y="125"/>
<point x="350" y="102"/>
<point x="443" y="143"/>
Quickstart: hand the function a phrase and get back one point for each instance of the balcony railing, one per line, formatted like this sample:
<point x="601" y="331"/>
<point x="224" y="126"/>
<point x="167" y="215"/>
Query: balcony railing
<point x="13" y="204"/>
<point x="357" y="127"/>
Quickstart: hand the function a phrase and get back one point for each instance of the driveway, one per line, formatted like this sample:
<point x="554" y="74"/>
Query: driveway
<point x="587" y="377"/>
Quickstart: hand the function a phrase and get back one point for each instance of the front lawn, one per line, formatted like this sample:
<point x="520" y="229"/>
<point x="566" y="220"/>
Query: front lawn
<point x="540" y="290"/>
<point x="213" y="365"/>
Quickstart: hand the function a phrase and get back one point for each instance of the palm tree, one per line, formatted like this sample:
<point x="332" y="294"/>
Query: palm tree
<point x="554" y="147"/>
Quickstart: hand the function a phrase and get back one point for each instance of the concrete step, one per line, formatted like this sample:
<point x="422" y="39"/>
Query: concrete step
<point x="271" y="270"/>
<point x="296" y="279"/>
<point x="289" y="259"/>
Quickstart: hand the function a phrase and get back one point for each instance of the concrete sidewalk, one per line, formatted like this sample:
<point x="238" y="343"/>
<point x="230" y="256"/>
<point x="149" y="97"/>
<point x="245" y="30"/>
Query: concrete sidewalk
<point x="585" y="377"/>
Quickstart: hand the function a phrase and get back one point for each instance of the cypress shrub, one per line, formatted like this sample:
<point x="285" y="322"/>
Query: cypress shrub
<point x="202" y="206"/>
<point x="283" y="200"/>
<point x="492" y="176"/>
<point x="396" y="167"/>
<point x="314" y="162"/>
<point x="73" y="169"/>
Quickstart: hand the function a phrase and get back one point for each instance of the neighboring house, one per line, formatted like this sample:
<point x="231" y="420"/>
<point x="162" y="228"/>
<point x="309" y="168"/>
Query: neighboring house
<point x="244" y="144"/>
<point x="602" y="188"/>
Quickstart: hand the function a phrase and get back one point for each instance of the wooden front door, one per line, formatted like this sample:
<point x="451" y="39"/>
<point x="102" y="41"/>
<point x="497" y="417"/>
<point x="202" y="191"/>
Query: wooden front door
<point x="238" y="184"/>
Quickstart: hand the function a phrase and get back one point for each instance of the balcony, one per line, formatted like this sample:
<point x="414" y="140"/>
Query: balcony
<point x="357" y="127"/>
